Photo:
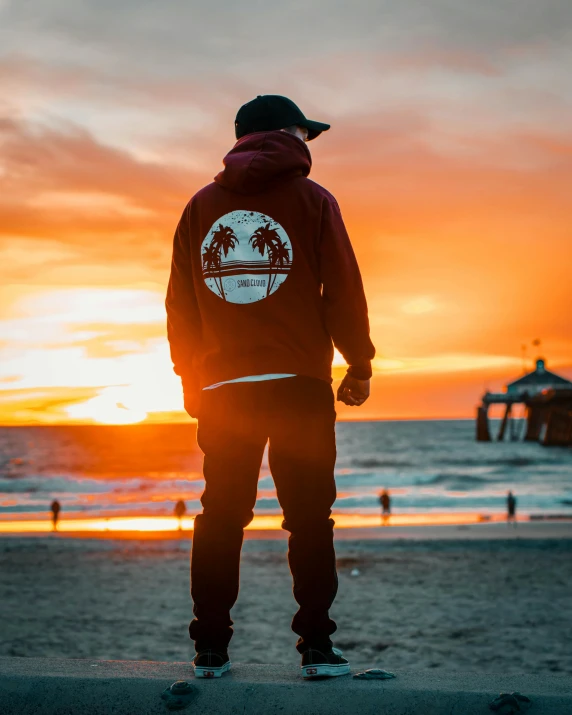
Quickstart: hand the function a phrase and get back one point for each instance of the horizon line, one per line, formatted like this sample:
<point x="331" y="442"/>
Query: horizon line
<point x="190" y="422"/>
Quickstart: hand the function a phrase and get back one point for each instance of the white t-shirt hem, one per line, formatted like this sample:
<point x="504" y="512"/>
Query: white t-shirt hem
<point x="251" y="378"/>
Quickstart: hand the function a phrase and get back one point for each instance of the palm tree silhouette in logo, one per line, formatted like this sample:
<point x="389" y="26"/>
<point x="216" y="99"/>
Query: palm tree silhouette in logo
<point x="222" y="241"/>
<point x="266" y="238"/>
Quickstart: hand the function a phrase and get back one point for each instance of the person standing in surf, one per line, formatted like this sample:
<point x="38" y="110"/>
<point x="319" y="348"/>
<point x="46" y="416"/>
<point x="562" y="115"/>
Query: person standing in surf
<point x="511" y="508"/>
<point x="55" y="508"/>
<point x="264" y="283"/>
<point x="385" y="503"/>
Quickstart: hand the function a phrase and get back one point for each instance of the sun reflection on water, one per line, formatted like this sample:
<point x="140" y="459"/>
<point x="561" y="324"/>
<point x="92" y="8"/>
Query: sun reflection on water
<point x="263" y="522"/>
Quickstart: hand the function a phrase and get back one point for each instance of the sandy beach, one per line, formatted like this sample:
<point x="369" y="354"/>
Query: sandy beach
<point x="445" y="598"/>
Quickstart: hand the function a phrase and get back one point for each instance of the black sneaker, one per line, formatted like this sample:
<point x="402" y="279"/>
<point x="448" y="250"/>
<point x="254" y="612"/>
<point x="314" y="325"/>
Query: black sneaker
<point x="211" y="663"/>
<point x="324" y="664"/>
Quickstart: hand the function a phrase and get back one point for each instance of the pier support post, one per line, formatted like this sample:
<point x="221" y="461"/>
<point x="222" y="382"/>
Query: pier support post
<point x="534" y="420"/>
<point x="483" y="432"/>
<point x="558" y="428"/>
<point x="504" y="422"/>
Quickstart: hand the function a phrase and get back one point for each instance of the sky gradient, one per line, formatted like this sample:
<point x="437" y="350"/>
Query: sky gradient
<point x="450" y="155"/>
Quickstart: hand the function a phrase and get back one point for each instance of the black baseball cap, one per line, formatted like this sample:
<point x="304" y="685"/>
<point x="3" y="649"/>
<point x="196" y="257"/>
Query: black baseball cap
<point x="269" y="112"/>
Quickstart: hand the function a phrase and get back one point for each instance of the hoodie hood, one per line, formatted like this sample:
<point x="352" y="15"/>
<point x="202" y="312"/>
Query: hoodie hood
<point x="260" y="160"/>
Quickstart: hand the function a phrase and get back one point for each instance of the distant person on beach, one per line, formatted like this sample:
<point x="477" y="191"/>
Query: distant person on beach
<point x="264" y="283"/>
<point x="385" y="502"/>
<point x="55" y="508"/>
<point x="180" y="511"/>
<point x="511" y="508"/>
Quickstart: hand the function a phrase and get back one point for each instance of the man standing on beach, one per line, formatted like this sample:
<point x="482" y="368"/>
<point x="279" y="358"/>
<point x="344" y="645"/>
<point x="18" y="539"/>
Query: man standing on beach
<point x="263" y="280"/>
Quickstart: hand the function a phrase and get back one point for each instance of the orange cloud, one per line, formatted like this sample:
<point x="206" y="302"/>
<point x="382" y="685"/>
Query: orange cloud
<point x="40" y="405"/>
<point x="65" y="187"/>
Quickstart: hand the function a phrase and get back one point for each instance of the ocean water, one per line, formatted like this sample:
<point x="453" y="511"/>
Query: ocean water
<point x="428" y="466"/>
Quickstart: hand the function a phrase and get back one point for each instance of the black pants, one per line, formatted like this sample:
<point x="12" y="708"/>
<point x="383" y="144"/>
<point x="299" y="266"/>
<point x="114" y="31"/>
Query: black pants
<point x="297" y="416"/>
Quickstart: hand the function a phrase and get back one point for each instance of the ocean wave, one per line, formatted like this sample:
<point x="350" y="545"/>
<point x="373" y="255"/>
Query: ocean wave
<point x="495" y="463"/>
<point x="514" y="462"/>
<point x="373" y="462"/>
<point x="459" y="482"/>
<point x="431" y="465"/>
<point x="21" y="486"/>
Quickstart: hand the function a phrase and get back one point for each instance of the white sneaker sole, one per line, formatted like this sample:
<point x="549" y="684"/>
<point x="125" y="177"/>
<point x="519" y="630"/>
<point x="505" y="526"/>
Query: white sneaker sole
<point x="324" y="671"/>
<point x="202" y="672"/>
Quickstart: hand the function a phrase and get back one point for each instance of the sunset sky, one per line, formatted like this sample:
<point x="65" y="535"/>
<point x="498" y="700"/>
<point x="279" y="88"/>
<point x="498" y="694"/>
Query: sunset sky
<point x="450" y="154"/>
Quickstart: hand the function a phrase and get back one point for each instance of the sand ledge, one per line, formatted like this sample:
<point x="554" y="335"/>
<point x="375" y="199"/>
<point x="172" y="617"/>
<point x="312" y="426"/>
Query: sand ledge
<point x="52" y="686"/>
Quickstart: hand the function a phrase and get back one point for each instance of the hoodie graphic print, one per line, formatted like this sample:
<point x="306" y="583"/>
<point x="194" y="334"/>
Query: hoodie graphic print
<point x="263" y="275"/>
<point x="246" y="256"/>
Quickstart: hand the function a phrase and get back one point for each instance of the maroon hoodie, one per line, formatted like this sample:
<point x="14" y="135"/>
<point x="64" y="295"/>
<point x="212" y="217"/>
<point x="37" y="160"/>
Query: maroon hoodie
<point x="263" y="276"/>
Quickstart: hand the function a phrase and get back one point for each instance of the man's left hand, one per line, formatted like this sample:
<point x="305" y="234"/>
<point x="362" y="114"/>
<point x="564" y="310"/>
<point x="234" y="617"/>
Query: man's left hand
<point x="353" y="392"/>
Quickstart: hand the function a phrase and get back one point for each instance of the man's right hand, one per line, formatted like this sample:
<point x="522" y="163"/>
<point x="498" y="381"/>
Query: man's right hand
<point x="353" y="392"/>
<point x="192" y="397"/>
<point x="192" y="403"/>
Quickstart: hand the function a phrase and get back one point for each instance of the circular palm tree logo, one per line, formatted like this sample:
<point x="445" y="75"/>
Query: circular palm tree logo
<point x="246" y="256"/>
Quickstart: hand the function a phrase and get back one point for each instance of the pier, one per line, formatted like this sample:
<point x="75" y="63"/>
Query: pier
<point x="547" y="398"/>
